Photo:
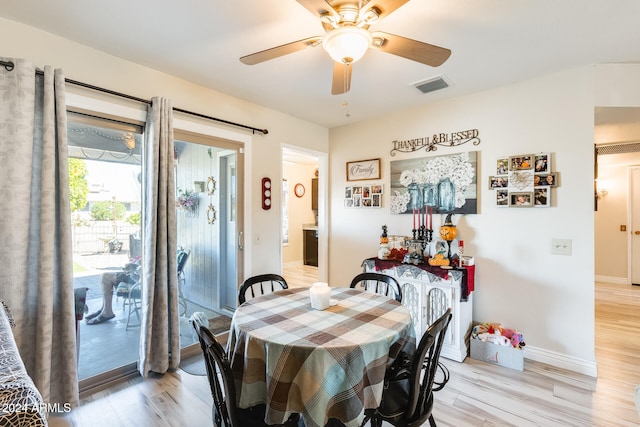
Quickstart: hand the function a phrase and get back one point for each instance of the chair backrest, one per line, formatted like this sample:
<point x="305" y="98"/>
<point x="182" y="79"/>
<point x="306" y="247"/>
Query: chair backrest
<point x="260" y="285"/>
<point x="219" y="375"/>
<point x="378" y="283"/>
<point x="420" y="401"/>
<point x="182" y="257"/>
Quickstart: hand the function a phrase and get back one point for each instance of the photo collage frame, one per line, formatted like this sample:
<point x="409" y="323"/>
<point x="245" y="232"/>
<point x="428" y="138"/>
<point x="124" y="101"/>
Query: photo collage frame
<point x="363" y="196"/>
<point x="524" y="180"/>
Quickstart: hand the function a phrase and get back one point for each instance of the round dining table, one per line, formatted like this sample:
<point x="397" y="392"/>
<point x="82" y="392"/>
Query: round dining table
<point x="319" y="363"/>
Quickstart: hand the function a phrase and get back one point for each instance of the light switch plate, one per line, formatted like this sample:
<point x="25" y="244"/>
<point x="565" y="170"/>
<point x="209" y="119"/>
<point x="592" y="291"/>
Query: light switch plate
<point x="561" y="246"/>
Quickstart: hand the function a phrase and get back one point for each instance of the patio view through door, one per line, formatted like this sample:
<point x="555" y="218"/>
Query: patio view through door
<point x="105" y="163"/>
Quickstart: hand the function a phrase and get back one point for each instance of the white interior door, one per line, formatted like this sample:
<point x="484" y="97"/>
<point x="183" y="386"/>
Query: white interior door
<point x="634" y="198"/>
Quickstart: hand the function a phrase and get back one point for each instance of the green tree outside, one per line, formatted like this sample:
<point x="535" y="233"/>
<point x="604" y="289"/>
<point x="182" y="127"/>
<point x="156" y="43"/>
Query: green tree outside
<point x="104" y="211"/>
<point x="134" y="219"/>
<point x="78" y="185"/>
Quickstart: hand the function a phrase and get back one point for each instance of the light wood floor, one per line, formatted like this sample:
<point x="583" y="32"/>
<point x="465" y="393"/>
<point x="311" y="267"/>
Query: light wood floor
<point x="478" y="394"/>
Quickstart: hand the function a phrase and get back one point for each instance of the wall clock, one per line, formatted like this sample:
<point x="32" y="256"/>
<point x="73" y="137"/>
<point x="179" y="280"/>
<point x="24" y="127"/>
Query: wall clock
<point x="299" y="190"/>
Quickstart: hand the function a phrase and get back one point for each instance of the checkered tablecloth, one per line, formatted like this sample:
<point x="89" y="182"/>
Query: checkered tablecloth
<point x="319" y="363"/>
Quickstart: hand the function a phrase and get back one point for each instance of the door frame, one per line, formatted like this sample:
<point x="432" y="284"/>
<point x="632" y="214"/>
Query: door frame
<point x="631" y="225"/>
<point x="240" y="143"/>
<point x="323" y="203"/>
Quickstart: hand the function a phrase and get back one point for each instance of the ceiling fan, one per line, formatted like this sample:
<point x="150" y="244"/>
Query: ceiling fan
<point x="348" y="38"/>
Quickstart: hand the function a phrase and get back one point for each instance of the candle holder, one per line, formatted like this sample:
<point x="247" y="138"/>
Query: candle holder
<point x="320" y="296"/>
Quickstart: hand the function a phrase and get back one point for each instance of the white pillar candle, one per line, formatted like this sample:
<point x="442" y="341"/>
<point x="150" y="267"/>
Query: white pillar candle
<point x="320" y="295"/>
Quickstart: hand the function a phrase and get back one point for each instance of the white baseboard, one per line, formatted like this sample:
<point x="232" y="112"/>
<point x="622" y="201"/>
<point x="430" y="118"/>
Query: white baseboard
<point x="563" y="361"/>
<point x="611" y="279"/>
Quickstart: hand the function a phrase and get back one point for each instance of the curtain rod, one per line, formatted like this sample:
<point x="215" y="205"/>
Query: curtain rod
<point x="9" y="66"/>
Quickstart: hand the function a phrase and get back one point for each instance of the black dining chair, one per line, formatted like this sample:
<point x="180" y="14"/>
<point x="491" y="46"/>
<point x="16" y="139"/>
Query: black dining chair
<point x="378" y="283"/>
<point x="407" y="400"/>
<point x="260" y="285"/>
<point x="224" y="410"/>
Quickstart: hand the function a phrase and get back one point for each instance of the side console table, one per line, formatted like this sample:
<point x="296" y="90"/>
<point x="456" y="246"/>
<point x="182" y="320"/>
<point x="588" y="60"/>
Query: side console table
<point x="427" y="292"/>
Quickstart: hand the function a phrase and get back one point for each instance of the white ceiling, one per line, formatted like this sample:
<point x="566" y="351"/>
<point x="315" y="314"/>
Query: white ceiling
<point x="494" y="42"/>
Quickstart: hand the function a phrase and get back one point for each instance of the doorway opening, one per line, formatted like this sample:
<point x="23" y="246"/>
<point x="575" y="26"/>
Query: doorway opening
<point x="209" y="171"/>
<point x="303" y="216"/>
<point x="617" y="216"/>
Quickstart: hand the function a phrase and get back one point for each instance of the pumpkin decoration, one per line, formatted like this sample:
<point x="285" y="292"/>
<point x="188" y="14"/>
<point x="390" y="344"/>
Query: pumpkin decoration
<point x="438" y="260"/>
<point x="448" y="231"/>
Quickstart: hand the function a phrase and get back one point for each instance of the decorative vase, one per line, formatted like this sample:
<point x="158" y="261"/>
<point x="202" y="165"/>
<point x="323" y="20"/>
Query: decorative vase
<point x="446" y="195"/>
<point x="416" y="196"/>
<point x="430" y="194"/>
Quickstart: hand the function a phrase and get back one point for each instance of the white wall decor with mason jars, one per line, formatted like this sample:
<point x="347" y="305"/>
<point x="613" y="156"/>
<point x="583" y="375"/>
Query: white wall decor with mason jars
<point x="442" y="184"/>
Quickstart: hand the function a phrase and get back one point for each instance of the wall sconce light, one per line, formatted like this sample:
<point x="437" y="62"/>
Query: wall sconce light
<point x="602" y="192"/>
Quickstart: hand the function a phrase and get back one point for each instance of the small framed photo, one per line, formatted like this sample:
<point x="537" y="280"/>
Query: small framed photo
<point x="502" y="166"/>
<point x="377" y="189"/>
<point x="521" y="162"/>
<point x="542" y="163"/>
<point x="348" y="192"/>
<point x="520" y="199"/>
<point x="502" y="198"/>
<point x="366" y="191"/>
<point x="376" y="200"/>
<point x="498" y="182"/>
<point x="363" y="169"/>
<point x="549" y="179"/>
<point x="348" y="203"/>
<point x="542" y="197"/>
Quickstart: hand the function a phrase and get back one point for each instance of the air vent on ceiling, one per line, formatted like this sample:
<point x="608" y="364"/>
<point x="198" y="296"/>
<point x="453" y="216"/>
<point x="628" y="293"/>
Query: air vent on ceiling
<point x="432" y="84"/>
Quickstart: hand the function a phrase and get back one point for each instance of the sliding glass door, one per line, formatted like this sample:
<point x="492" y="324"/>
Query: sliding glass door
<point x="105" y="163"/>
<point x="105" y="167"/>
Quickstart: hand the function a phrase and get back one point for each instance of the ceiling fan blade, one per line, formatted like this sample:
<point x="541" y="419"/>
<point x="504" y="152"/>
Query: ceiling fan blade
<point x="414" y="50"/>
<point x="384" y="7"/>
<point x="341" y="78"/>
<point x="276" y="52"/>
<point x="319" y="7"/>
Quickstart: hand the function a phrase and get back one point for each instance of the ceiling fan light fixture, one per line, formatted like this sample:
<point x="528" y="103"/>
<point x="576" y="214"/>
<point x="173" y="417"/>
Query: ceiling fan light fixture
<point x="346" y="45"/>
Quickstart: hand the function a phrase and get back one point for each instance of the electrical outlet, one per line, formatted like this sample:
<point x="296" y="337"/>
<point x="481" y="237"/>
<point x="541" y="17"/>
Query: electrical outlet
<point x="561" y="246"/>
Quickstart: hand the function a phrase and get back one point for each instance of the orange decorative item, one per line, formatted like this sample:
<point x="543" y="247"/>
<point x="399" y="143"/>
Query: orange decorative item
<point x="448" y="231"/>
<point x="438" y="260"/>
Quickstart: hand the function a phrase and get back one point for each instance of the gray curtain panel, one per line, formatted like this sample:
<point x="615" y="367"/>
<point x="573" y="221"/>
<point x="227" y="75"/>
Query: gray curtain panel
<point x="160" y="332"/>
<point x="36" y="278"/>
